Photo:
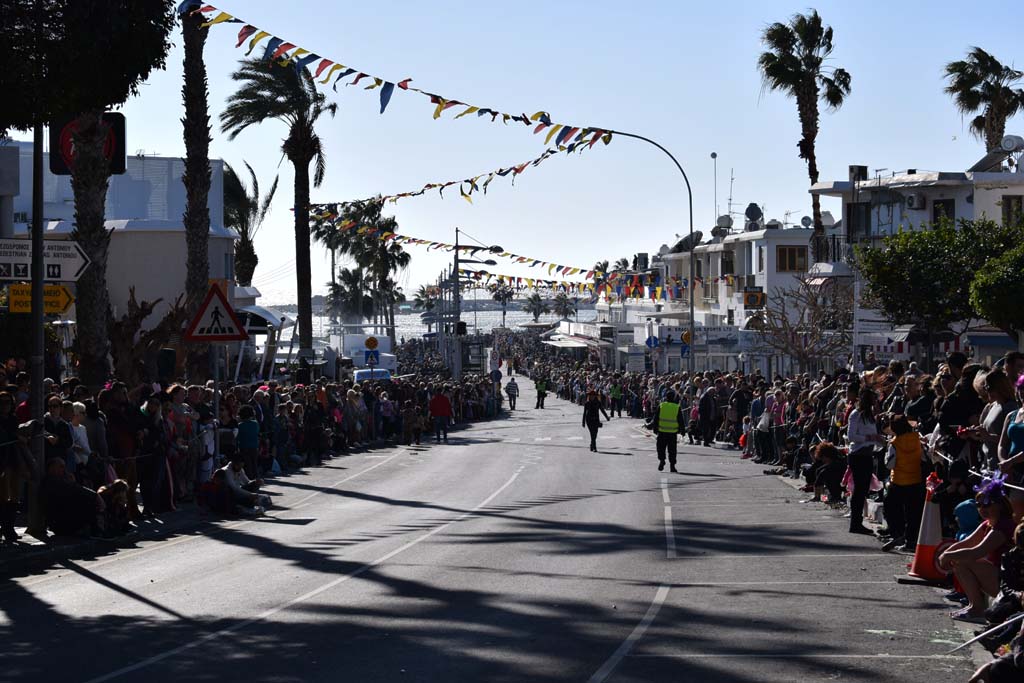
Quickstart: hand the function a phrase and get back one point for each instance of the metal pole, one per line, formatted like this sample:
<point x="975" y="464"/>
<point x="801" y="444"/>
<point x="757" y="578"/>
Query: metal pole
<point x="689" y="194"/>
<point x="216" y="406"/>
<point x="457" y="294"/>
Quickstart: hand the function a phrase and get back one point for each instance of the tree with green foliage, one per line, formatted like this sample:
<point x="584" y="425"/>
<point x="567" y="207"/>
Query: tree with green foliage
<point x="271" y="91"/>
<point x="996" y="288"/>
<point x="503" y="294"/>
<point x="563" y="306"/>
<point x="72" y="59"/>
<point x="244" y="212"/>
<point x="536" y="306"/>
<point x="923" y="277"/>
<point x="798" y="61"/>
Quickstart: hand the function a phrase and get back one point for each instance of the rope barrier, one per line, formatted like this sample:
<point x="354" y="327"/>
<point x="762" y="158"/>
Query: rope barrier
<point x="982" y="474"/>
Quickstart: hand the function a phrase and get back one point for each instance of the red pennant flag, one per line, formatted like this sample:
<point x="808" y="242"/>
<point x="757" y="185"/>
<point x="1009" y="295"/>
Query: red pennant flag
<point x="404" y="85"/>
<point x="323" y="65"/>
<point x="284" y="47"/>
<point x="246" y="31"/>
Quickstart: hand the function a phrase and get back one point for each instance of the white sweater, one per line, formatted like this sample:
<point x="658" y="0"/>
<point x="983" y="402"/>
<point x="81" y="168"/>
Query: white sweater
<point x="859" y="431"/>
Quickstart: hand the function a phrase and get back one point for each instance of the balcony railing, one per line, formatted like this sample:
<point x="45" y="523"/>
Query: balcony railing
<point x="831" y="249"/>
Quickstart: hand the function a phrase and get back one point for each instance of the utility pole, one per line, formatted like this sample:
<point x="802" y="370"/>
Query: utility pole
<point x="456" y="293"/>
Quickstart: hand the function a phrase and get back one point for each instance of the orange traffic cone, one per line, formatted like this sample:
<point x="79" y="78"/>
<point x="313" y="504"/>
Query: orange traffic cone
<point x="930" y="543"/>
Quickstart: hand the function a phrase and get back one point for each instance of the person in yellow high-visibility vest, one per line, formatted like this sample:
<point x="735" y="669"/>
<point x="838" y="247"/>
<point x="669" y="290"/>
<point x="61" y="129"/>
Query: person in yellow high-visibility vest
<point x="669" y="423"/>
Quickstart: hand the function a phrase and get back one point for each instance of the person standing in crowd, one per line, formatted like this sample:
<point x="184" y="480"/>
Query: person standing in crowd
<point x="615" y="392"/>
<point x="592" y="412"/>
<point x="512" y="389"/>
<point x="668" y="423"/>
<point x="904" y="502"/>
<point x="440" y="414"/>
<point x="862" y="435"/>
<point x="708" y="410"/>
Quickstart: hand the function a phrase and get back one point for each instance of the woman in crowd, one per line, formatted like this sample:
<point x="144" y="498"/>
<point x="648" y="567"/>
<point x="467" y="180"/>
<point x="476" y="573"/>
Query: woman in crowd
<point x="592" y="411"/>
<point x="975" y="560"/>
<point x="862" y="435"/>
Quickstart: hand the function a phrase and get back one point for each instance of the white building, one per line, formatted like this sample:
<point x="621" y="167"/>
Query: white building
<point x="876" y="207"/>
<point x="144" y="210"/>
<point x="762" y="258"/>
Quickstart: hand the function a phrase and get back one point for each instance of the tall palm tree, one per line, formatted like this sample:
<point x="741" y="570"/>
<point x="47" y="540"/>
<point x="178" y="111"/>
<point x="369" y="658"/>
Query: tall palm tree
<point x="536" y="306"/>
<point x="503" y="294"/>
<point x="244" y="211"/>
<point x="796" y="63"/>
<point x="348" y="297"/>
<point x="425" y="299"/>
<point x="563" y="306"/>
<point x="982" y="83"/>
<point x="621" y="265"/>
<point x="268" y="90"/>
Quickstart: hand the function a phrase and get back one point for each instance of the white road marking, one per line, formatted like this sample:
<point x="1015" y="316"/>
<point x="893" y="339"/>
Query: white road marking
<point x="664" y="491"/>
<point x="266" y="614"/>
<point x="670" y="535"/>
<point x="160" y="545"/>
<point x="608" y="667"/>
<point x="543" y="438"/>
<point x="712" y="584"/>
<point x="512" y="440"/>
<point x="575" y="438"/>
<point x="796" y="655"/>
<point x="778" y="556"/>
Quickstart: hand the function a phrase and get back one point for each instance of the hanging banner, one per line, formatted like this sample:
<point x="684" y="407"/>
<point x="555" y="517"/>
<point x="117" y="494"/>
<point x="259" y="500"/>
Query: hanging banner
<point x="334" y="72"/>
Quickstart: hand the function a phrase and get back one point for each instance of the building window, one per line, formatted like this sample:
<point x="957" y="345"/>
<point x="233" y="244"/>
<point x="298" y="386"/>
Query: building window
<point x="728" y="265"/>
<point x="943" y="209"/>
<point x="760" y="259"/>
<point x="791" y="260"/>
<point x="698" y="264"/>
<point x="1013" y="209"/>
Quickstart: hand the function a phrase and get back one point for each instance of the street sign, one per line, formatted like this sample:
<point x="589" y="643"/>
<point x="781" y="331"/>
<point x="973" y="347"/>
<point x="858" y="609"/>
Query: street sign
<point x="63" y="260"/>
<point x="372" y="358"/>
<point x="652" y="342"/>
<point x="684" y="350"/>
<point x="62" y="144"/>
<point x="216" y="320"/>
<point x="56" y="299"/>
<point x="371" y="343"/>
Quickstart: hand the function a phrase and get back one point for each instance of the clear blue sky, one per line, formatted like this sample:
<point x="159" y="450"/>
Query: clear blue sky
<point x="682" y="73"/>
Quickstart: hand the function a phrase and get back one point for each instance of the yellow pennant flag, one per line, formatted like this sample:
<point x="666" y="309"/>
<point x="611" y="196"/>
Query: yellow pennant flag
<point x="441" y="102"/>
<point x="294" y="55"/>
<point x="554" y="130"/>
<point x="222" y="17"/>
<point x="255" y="39"/>
<point x="464" y="195"/>
<point x="469" y="110"/>
<point x="330" y="73"/>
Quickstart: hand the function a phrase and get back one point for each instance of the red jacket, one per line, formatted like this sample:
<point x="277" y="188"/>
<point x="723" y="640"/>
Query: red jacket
<point x="440" y="406"/>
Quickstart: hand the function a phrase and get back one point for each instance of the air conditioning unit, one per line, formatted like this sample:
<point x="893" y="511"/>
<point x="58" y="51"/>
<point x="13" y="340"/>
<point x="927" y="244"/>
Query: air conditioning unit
<point x="915" y="201"/>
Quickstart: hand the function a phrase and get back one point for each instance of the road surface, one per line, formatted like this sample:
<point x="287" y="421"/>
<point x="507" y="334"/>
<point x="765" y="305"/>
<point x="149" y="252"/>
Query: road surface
<point x="510" y="554"/>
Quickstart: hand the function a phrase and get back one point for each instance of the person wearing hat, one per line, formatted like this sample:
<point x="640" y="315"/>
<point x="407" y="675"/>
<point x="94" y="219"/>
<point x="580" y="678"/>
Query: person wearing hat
<point x="667" y="423"/>
<point x="592" y="412"/>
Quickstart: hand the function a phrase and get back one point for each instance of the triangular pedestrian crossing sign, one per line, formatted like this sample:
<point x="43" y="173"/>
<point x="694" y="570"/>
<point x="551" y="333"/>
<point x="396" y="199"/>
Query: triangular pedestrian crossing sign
<point x="216" y="320"/>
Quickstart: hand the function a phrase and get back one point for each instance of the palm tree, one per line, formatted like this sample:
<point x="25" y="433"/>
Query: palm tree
<point x="348" y="297"/>
<point x="563" y="306"/>
<point x="796" y="63"/>
<point x="270" y="91"/>
<point x="982" y="83"/>
<point x="503" y="294"/>
<point x="536" y="306"/>
<point x="425" y="299"/>
<point x="244" y="211"/>
<point x="196" y="178"/>
<point x="622" y="265"/>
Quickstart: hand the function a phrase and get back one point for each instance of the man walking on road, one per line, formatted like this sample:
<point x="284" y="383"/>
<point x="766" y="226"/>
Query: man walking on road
<point x="440" y="413"/>
<point x="541" y="386"/>
<point x="668" y="423"/>
<point x="512" y="389"/>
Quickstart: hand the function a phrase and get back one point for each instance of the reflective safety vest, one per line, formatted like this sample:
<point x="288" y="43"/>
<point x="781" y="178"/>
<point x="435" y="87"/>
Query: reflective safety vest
<point x="668" y="418"/>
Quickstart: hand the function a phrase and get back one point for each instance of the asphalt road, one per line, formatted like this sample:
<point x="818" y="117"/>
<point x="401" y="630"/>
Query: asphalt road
<point x="510" y="554"/>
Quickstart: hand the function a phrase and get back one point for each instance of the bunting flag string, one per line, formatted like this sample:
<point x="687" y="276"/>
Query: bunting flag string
<point x="329" y="213"/>
<point x="335" y="72"/>
<point x="467" y="186"/>
<point x="518" y="283"/>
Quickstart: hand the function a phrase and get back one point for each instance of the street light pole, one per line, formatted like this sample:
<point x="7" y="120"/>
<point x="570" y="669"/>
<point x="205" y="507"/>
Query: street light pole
<point x="456" y="286"/>
<point x="689" y="194"/>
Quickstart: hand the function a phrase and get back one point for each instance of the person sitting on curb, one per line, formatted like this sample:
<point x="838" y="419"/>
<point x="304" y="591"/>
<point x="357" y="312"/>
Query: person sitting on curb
<point x="245" y="491"/>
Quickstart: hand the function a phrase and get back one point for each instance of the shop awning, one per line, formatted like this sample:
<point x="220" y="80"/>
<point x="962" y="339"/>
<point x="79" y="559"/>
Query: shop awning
<point x="565" y="343"/>
<point x="1002" y="342"/>
<point x="270" y="316"/>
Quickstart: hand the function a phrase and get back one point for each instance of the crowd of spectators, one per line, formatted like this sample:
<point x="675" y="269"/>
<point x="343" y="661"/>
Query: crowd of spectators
<point x="115" y="456"/>
<point x="869" y="443"/>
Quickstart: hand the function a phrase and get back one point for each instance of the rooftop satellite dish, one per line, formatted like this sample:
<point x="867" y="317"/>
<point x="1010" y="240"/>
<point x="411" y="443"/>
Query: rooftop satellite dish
<point x="806" y="221"/>
<point x="753" y="212"/>
<point x="774" y="224"/>
<point x="687" y="243"/>
<point x="1012" y="143"/>
<point x="752" y="226"/>
<point x="663" y="249"/>
<point x="724" y="222"/>
<point x="719" y="231"/>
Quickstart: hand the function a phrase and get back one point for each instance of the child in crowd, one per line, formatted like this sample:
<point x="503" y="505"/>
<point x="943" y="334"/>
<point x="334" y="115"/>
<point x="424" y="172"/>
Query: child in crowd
<point x="748" y="437"/>
<point x="411" y="424"/>
<point x="115" y="508"/>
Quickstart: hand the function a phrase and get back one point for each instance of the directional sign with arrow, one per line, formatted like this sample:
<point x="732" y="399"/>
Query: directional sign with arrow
<point x="63" y="260"/>
<point x="56" y="299"/>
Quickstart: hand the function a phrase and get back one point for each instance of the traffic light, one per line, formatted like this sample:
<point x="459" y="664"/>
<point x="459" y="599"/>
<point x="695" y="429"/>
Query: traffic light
<point x="460" y="329"/>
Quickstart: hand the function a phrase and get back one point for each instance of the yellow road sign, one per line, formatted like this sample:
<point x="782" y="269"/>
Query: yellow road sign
<point x="56" y="299"/>
<point x="371" y="343"/>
